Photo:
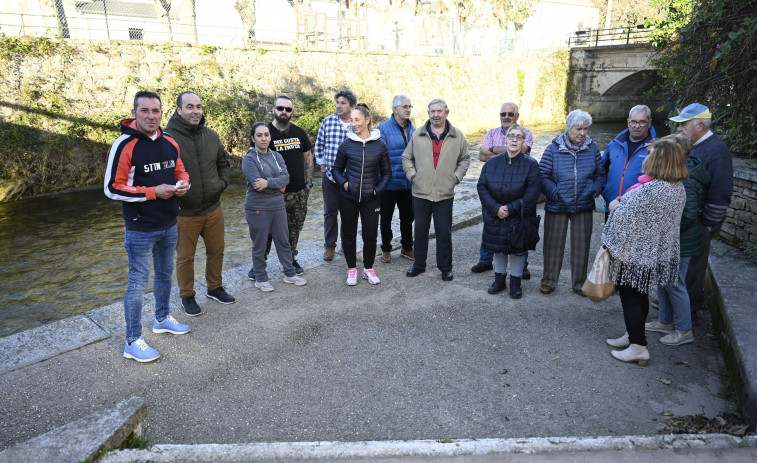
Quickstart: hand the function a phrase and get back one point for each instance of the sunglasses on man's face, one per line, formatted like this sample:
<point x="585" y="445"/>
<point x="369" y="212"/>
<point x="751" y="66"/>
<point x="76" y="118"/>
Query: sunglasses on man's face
<point x="506" y="114"/>
<point x="284" y="108"/>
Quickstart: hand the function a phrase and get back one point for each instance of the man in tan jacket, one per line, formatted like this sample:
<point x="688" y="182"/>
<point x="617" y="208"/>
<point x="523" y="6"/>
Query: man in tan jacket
<point x="435" y="160"/>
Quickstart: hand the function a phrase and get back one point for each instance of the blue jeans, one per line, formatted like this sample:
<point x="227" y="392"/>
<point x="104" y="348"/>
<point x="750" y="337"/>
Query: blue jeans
<point x="674" y="300"/>
<point x="161" y="245"/>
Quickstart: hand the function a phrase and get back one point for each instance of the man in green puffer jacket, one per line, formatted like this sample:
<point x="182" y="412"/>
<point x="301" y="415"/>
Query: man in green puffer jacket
<point x="200" y="212"/>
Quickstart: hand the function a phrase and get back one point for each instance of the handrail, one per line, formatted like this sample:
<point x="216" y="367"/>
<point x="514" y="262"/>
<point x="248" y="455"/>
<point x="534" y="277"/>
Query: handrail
<point x="611" y="36"/>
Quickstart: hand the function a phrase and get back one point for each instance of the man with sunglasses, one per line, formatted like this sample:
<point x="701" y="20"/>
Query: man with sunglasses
<point x="623" y="157"/>
<point x="293" y="144"/>
<point x="495" y="143"/>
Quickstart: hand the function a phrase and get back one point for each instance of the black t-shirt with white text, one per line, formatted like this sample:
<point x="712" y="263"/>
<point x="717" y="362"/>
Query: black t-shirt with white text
<point x="290" y="145"/>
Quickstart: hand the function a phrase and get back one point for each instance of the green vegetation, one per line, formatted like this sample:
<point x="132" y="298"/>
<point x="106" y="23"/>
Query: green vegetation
<point x="314" y="109"/>
<point x="27" y="47"/>
<point x="207" y="49"/>
<point x="132" y="441"/>
<point x="707" y="53"/>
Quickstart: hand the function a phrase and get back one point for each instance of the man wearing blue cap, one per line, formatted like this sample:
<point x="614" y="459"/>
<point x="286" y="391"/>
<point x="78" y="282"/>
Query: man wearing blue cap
<point x="695" y="121"/>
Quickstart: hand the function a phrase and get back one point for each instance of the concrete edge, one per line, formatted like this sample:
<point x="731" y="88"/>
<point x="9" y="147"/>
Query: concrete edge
<point x="727" y="322"/>
<point x="419" y="448"/>
<point x="83" y="438"/>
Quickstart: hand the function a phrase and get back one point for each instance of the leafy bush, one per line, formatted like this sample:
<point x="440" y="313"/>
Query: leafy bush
<point x="314" y="111"/>
<point x="707" y="53"/>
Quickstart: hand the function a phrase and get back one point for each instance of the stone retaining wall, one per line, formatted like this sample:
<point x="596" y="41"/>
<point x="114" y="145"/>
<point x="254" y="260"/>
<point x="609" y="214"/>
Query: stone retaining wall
<point x="741" y="218"/>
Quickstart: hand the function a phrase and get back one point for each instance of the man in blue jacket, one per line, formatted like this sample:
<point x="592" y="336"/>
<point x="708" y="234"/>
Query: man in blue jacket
<point x="624" y="155"/>
<point x="396" y="132"/>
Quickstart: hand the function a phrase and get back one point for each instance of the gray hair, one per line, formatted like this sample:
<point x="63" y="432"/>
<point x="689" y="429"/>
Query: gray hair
<point x="438" y="101"/>
<point x="577" y="117"/>
<point x="640" y="107"/>
<point x="517" y="110"/>
<point x="397" y="101"/>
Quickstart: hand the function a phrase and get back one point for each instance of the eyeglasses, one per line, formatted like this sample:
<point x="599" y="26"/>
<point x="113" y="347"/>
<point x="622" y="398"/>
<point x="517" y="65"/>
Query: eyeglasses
<point x="506" y="114"/>
<point x="512" y="136"/>
<point x="284" y="108"/>
<point x="638" y="123"/>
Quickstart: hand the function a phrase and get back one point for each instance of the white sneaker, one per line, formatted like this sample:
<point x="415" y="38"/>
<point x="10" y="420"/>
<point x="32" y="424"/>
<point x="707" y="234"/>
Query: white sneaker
<point x="676" y="338"/>
<point x="264" y="286"/>
<point x="370" y="275"/>
<point x="658" y="327"/>
<point x="352" y="277"/>
<point x="296" y="280"/>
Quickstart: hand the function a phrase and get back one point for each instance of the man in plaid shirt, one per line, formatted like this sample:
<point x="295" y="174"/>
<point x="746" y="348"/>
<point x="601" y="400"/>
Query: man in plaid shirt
<point x="495" y="143"/>
<point x="332" y="133"/>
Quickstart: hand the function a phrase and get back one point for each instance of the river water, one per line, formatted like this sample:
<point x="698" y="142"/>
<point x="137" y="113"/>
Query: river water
<point x="64" y="255"/>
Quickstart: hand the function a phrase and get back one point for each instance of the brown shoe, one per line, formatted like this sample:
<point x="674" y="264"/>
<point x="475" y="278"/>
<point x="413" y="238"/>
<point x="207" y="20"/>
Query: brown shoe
<point x="407" y="254"/>
<point x="386" y="257"/>
<point x="546" y="289"/>
<point x="328" y="253"/>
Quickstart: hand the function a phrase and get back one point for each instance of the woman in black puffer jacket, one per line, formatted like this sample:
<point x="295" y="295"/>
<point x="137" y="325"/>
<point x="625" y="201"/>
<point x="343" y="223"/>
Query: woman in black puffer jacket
<point x="508" y="188"/>
<point x="363" y="170"/>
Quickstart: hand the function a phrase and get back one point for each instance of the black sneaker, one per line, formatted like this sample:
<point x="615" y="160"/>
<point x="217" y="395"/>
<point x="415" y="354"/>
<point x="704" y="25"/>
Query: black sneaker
<point x="190" y="306"/>
<point x="298" y="268"/>
<point x="251" y="274"/>
<point x="480" y="267"/>
<point x="220" y="295"/>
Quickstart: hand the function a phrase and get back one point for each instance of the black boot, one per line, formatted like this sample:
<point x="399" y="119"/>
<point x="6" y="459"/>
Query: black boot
<point x="499" y="283"/>
<point x="515" y="291"/>
<point x="526" y="274"/>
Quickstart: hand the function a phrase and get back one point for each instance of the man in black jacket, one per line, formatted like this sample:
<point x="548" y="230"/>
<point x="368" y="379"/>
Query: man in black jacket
<point x="200" y="211"/>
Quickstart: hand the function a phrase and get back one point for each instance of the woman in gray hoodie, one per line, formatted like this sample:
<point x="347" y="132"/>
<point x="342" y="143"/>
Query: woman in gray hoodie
<point x="267" y="177"/>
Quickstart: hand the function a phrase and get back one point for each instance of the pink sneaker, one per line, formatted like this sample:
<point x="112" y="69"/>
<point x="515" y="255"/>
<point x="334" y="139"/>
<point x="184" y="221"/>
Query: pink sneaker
<point x="352" y="277"/>
<point x="370" y="275"/>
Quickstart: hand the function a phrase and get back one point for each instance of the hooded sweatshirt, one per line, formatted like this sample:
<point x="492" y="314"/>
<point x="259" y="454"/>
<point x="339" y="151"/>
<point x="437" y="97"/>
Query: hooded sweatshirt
<point x="136" y="165"/>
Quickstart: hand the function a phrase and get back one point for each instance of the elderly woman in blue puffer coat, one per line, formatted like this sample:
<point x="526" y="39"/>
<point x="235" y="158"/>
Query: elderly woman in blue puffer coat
<point x="509" y="188"/>
<point x="572" y="176"/>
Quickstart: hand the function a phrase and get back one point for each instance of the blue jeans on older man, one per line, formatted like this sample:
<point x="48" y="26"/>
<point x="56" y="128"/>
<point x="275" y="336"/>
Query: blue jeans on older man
<point x="140" y="246"/>
<point x="675" y="306"/>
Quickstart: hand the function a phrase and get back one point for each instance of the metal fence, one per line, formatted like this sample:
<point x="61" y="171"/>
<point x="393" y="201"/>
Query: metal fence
<point x="612" y="36"/>
<point x="317" y="24"/>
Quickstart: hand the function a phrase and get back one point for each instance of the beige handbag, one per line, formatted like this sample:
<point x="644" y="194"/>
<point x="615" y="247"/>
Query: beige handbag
<point x="598" y="286"/>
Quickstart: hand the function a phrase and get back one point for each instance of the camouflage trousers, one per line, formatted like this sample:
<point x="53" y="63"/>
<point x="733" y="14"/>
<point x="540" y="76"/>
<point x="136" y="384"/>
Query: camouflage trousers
<point x="296" y="205"/>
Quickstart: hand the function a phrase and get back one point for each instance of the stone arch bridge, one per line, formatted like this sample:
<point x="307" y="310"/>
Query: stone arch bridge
<point x="610" y="72"/>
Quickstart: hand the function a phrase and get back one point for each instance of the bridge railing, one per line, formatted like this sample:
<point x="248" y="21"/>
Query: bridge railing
<point x="612" y="36"/>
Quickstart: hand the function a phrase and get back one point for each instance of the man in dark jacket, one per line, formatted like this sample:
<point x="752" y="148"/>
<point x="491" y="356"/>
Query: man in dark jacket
<point x="200" y="211"/>
<point x="145" y="173"/>
<point x="695" y="121"/>
<point x="396" y="132"/>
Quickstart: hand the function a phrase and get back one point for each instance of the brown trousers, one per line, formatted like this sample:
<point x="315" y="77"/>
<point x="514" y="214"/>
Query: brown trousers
<point x="191" y="228"/>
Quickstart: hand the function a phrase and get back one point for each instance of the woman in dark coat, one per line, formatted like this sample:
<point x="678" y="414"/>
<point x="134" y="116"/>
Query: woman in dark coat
<point x="508" y="188"/>
<point x="572" y="176"/>
<point x="361" y="157"/>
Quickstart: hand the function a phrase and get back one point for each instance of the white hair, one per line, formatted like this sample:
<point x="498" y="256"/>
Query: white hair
<point x="438" y="101"/>
<point x="397" y="101"/>
<point x="577" y="117"/>
<point x="640" y="107"/>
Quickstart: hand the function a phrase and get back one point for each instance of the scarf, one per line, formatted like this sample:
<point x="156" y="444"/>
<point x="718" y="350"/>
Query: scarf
<point x="642" y="235"/>
<point x="566" y="146"/>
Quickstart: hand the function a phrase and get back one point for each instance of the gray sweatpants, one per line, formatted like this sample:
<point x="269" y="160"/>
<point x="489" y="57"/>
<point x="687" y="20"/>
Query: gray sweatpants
<point x="261" y="223"/>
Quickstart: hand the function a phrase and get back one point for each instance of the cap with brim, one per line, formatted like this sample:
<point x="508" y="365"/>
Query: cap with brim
<point x="693" y="111"/>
